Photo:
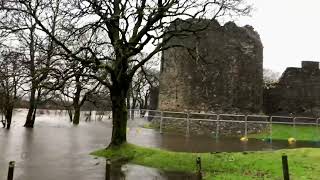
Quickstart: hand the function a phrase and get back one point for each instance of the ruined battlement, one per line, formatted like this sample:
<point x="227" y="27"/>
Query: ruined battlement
<point x="298" y="91"/>
<point x="310" y="65"/>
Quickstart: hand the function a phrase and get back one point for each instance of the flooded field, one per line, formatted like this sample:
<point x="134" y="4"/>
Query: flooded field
<point x="55" y="149"/>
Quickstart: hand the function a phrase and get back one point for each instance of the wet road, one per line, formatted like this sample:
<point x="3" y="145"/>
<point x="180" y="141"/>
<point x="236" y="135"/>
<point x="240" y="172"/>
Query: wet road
<point x="56" y="150"/>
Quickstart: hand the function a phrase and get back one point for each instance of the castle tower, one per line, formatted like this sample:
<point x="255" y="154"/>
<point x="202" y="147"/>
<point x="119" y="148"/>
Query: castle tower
<point x="218" y="69"/>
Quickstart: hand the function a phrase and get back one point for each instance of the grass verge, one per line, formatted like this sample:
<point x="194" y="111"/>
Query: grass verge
<point x="303" y="163"/>
<point x="283" y="132"/>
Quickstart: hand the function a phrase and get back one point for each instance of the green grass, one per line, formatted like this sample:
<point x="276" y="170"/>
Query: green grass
<point x="303" y="163"/>
<point x="149" y="126"/>
<point x="283" y="132"/>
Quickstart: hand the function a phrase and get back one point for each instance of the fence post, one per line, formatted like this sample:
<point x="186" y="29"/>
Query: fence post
<point x="188" y="124"/>
<point x="218" y="126"/>
<point x="129" y="114"/>
<point x="285" y="167"/>
<point x="108" y="169"/>
<point x="294" y="127"/>
<point x="270" y="129"/>
<point x="161" y="121"/>
<point x="145" y="114"/>
<point x="246" y="125"/>
<point x="11" y="170"/>
<point x="199" y="168"/>
<point x="317" y="122"/>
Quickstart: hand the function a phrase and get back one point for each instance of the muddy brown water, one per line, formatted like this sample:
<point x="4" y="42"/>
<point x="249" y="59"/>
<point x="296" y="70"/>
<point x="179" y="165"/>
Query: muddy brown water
<point x="57" y="150"/>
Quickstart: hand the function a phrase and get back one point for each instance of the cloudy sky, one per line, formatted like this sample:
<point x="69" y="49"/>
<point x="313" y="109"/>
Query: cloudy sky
<point x="289" y="29"/>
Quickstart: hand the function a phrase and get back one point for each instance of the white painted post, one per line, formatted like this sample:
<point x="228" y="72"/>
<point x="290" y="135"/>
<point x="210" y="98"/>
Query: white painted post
<point x="161" y="121"/>
<point x="146" y="114"/>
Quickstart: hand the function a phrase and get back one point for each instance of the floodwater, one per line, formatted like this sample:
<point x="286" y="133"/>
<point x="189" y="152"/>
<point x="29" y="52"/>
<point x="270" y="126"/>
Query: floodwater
<point x="55" y="149"/>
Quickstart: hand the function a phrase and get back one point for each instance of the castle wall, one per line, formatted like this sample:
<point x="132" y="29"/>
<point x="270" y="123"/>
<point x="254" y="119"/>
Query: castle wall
<point x="298" y="91"/>
<point x="218" y="69"/>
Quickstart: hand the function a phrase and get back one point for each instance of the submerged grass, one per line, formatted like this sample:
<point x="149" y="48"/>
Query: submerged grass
<point x="283" y="132"/>
<point x="279" y="132"/>
<point x="303" y="163"/>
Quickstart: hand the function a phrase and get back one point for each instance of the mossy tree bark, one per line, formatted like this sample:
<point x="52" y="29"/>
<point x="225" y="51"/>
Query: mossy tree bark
<point x="118" y="92"/>
<point x="119" y="119"/>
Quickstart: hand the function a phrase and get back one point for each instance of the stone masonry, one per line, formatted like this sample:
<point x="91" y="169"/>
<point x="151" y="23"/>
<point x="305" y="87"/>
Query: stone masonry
<point x="297" y="92"/>
<point x="218" y="69"/>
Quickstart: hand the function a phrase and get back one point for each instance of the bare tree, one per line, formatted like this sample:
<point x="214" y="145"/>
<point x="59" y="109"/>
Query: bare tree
<point x="115" y="32"/>
<point x="139" y="92"/>
<point x="77" y="89"/>
<point x="270" y="78"/>
<point x="12" y="78"/>
<point x="143" y="81"/>
<point x="39" y="51"/>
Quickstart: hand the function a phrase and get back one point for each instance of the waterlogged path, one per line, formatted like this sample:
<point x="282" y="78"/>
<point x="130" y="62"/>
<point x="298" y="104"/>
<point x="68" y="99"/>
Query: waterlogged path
<point x="55" y="149"/>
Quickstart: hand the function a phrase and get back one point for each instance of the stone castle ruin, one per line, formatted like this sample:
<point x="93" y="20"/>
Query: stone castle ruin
<point x="297" y="92"/>
<point x="218" y="69"/>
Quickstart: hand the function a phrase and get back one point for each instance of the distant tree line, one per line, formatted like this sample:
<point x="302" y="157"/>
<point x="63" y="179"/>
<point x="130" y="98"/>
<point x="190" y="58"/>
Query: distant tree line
<point x="59" y="85"/>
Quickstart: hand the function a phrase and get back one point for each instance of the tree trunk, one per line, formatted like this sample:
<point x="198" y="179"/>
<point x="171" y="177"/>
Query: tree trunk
<point x="30" y="118"/>
<point x="8" y="115"/>
<point x="76" y="100"/>
<point x="3" y="121"/>
<point x="119" y="115"/>
<point x="70" y="114"/>
<point x="32" y="110"/>
<point x="34" y="115"/>
<point x="76" y="117"/>
<point x="32" y="101"/>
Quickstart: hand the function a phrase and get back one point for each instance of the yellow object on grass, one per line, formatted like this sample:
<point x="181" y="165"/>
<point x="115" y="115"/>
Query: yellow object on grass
<point x="244" y="139"/>
<point x="291" y="140"/>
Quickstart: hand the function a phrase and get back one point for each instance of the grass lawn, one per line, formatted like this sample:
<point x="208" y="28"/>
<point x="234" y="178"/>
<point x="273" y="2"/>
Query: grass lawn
<point x="303" y="163"/>
<point x="283" y="132"/>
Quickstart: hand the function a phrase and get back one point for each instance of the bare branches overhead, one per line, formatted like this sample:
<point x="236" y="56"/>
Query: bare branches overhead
<point x="113" y="30"/>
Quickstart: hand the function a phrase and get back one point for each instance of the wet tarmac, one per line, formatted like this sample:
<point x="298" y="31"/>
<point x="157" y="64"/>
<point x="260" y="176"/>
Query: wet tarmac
<point x="57" y="150"/>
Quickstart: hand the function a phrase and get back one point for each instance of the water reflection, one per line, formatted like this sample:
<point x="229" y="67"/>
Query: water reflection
<point x="122" y="171"/>
<point x="55" y="149"/>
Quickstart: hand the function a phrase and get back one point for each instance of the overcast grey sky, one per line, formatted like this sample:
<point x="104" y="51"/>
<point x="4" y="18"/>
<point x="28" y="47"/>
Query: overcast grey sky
<point x="289" y="30"/>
